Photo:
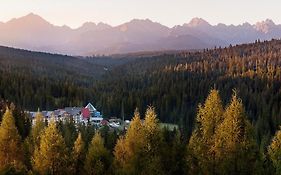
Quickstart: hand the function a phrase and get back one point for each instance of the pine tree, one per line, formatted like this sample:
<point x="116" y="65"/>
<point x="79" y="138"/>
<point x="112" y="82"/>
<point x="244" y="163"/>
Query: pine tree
<point x="274" y="152"/>
<point x="201" y="156"/>
<point x="235" y="141"/>
<point x="98" y="157"/>
<point x="11" y="153"/>
<point x="78" y="155"/>
<point x="50" y="157"/>
<point x="173" y="160"/>
<point x="69" y="132"/>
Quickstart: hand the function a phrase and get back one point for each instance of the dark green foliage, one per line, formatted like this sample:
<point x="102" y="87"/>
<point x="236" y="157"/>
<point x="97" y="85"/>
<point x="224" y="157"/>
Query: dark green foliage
<point x="173" y="152"/>
<point x="69" y="132"/>
<point x="22" y="120"/>
<point x="173" y="83"/>
<point x="110" y="137"/>
<point x="48" y="81"/>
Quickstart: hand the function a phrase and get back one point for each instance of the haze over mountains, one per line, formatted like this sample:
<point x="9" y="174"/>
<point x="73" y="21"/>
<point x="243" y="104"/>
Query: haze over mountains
<point x="34" y="33"/>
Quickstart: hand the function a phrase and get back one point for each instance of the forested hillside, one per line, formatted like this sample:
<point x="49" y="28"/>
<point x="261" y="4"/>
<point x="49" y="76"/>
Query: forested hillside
<point x="176" y="83"/>
<point x="226" y="102"/>
<point x="34" y="79"/>
<point x="173" y="82"/>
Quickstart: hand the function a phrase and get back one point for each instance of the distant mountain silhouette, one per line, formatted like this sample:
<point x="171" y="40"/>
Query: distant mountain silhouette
<point x="34" y="33"/>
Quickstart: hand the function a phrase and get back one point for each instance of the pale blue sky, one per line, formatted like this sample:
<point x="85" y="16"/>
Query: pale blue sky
<point x="168" y="12"/>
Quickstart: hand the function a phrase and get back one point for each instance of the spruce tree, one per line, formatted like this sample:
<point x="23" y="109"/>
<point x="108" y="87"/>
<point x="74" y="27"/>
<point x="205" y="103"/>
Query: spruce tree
<point x="69" y="132"/>
<point x="11" y="152"/>
<point x="98" y="157"/>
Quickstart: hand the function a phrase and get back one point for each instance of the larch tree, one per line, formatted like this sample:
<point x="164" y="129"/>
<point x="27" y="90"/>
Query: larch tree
<point x="138" y="152"/>
<point x="11" y="152"/>
<point x="129" y="149"/>
<point x="38" y="127"/>
<point x="153" y="140"/>
<point x="50" y="157"/>
<point x="235" y="141"/>
<point x="78" y="155"/>
<point x="274" y="152"/>
<point x="98" y="157"/>
<point x="201" y="155"/>
<point x="33" y="140"/>
<point x="121" y="155"/>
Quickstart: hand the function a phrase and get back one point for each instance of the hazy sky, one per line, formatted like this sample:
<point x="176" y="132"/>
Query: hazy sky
<point x="167" y="12"/>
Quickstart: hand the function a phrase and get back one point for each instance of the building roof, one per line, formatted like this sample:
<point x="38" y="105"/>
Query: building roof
<point x="73" y="110"/>
<point x="104" y="122"/>
<point x="91" y="107"/>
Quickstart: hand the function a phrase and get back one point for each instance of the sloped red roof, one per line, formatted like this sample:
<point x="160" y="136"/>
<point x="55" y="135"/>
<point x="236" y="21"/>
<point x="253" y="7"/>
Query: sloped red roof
<point x="86" y="113"/>
<point x="104" y="122"/>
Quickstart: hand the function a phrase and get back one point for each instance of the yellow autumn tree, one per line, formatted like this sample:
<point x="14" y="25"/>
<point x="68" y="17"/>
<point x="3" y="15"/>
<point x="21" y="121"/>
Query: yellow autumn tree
<point x="201" y="156"/>
<point x="50" y="157"/>
<point x="129" y="149"/>
<point x="138" y="152"/>
<point x="11" y="152"/>
<point x="120" y="155"/>
<point x="33" y="140"/>
<point x="235" y="145"/>
<point x="78" y="155"/>
<point x="37" y="128"/>
<point x="274" y="152"/>
<point x="153" y="141"/>
<point x="98" y="157"/>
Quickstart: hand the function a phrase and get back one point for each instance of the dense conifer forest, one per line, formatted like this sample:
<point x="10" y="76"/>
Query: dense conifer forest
<point x="223" y="141"/>
<point x="226" y="102"/>
<point x="175" y="84"/>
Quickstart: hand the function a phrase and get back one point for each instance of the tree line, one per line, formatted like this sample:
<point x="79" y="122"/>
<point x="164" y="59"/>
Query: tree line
<point x="223" y="141"/>
<point x="173" y="83"/>
<point x="176" y="83"/>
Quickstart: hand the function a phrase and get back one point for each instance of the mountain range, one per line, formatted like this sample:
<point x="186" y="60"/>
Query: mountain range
<point x="32" y="32"/>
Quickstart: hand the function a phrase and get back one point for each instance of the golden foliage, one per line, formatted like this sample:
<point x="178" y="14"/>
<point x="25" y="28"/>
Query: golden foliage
<point x="235" y="142"/>
<point x="128" y="148"/>
<point x="138" y="151"/>
<point x="38" y="128"/>
<point x="98" y="157"/>
<point x="78" y="155"/>
<point x="201" y="155"/>
<point x="11" y="153"/>
<point x="50" y="157"/>
<point x="274" y="151"/>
